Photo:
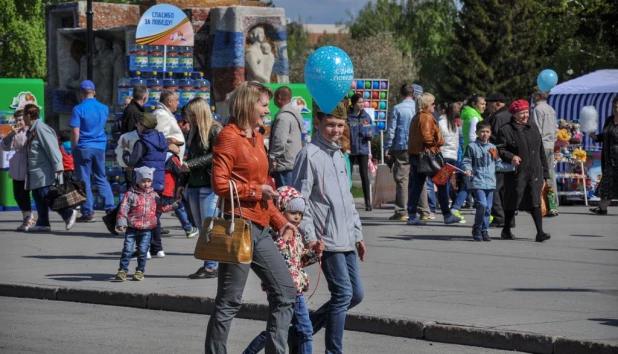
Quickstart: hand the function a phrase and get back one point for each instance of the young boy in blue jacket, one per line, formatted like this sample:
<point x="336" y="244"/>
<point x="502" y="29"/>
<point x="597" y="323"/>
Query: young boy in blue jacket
<point x="481" y="162"/>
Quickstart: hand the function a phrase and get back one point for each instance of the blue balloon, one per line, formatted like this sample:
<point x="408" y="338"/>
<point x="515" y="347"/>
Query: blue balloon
<point x="381" y="125"/>
<point x="328" y="75"/>
<point x="547" y="80"/>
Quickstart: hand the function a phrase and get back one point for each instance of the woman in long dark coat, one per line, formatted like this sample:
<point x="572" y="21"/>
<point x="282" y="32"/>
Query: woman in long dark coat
<point x="520" y="144"/>
<point x="608" y="188"/>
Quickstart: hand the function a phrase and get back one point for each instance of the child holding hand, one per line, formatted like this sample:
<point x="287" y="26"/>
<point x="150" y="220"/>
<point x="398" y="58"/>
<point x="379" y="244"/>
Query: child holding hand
<point x="481" y="162"/>
<point x="137" y="216"/>
<point x="297" y="255"/>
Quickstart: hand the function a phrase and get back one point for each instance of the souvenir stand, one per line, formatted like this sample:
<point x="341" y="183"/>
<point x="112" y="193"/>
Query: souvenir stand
<point x="161" y="58"/>
<point x="578" y="165"/>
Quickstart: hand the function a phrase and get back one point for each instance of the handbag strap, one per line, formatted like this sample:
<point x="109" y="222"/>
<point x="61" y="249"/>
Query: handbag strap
<point x="221" y="205"/>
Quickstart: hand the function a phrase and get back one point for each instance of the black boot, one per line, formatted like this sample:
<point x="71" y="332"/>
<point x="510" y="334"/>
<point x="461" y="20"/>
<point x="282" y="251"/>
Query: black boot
<point x="542" y="236"/>
<point x="507" y="234"/>
<point x="368" y="206"/>
<point x="204" y="273"/>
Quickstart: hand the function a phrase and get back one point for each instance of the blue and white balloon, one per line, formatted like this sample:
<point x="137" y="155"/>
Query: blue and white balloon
<point x="328" y="75"/>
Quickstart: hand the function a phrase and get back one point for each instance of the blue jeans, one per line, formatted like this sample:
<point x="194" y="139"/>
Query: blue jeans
<point x="302" y="327"/>
<point x="462" y="196"/>
<point x="431" y="195"/>
<point x="484" y="199"/>
<point x="142" y="237"/>
<point x="416" y="187"/>
<point x="180" y="211"/>
<point x="89" y="162"/>
<point x="449" y="188"/>
<point x="42" y="208"/>
<point x="282" y="178"/>
<point x="346" y="291"/>
<point x="203" y="204"/>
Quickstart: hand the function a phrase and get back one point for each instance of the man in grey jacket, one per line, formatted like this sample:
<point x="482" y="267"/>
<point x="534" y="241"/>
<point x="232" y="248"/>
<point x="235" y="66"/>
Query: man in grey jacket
<point x="285" y="137"/>
<point x="320" y="175"/>
<point x="544" y="116"/>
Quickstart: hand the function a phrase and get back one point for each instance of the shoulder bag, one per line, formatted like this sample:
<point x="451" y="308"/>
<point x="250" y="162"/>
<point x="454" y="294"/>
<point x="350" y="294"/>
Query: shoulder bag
<point x="430" y="162"/>
<point x="226" y="241"/>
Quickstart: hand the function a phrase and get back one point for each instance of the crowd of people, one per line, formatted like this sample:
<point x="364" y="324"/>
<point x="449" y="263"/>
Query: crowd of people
<point x="504" y="165"/>
<point x="296" y="198"/>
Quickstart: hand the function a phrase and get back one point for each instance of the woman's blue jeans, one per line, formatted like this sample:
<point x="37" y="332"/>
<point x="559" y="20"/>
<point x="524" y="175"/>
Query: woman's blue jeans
<point x="346" y="291"/>
<point x="203" y="204"/>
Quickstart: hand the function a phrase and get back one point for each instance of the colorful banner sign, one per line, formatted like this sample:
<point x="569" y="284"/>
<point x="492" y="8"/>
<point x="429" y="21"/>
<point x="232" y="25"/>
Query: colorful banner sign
<point x="164" y="25"/>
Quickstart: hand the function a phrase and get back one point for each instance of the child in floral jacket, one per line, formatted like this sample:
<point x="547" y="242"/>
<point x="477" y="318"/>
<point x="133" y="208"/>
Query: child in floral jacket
<point x="297" y="256"/>
<point x="137" y="216"/>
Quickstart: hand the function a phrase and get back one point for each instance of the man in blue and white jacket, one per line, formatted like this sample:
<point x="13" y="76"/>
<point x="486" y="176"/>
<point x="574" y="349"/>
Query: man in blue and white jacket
<point x="320" y="175"/>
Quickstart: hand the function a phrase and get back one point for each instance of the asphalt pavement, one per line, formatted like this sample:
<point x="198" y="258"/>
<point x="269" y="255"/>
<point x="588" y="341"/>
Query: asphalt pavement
<point x="50" y="327"/>
<point x="567" y="286"/>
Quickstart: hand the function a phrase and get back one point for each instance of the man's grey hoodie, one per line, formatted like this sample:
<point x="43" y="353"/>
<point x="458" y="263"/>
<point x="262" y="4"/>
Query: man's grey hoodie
<point x="320" y="176"/>
<point x="285" y="138"/>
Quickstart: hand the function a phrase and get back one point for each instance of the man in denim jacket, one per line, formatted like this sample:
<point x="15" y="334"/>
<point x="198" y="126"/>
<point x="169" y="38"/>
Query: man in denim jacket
<point x="396" y="146"/>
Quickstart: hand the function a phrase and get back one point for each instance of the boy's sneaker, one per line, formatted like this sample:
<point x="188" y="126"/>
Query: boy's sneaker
<point x="159" y="254"/>
<point x="193" y="232"/>
<point x="109" y="225"/>
<point x="37" y="228"/>
<point x="416" y="221"/>
<point x="476" y="235"/>
<point x="121" y="275"/>
<point x="485" y="236"/>
<point x="71" y="221"/>
<point x="452" y="219"/>
<point x="139" y="276"/>
<point x="86" y="218"/>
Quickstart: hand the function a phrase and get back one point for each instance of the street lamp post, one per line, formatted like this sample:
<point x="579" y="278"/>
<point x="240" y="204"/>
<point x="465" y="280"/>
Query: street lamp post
<point x="89" y="39"/>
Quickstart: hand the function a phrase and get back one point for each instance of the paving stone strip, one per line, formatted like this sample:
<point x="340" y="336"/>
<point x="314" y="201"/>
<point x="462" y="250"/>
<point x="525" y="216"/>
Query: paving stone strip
<point x="427" y="330"/>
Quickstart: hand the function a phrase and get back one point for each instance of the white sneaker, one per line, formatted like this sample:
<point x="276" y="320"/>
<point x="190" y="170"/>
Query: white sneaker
<point x="160" y="254"/>
<point x="148" y="255"/>
<point x="71" y="221"/>
<point x="40" y="229"/>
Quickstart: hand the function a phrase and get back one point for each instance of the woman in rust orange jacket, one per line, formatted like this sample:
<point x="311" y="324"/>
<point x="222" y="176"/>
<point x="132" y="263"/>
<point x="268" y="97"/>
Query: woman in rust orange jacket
<point x="239" y="155"/>
<point x="425" y="135"/>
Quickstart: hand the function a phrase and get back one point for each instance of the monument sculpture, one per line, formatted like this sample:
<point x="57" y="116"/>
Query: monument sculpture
<point x="103" y="70"/>
<point x="119" y="67"/>
<point x="259" y="58"/>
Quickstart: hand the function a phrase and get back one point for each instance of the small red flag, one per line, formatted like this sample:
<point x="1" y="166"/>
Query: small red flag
<point x="444" y="174"/>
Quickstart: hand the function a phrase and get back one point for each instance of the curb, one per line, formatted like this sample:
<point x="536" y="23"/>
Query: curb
<point x="397" y="327"/>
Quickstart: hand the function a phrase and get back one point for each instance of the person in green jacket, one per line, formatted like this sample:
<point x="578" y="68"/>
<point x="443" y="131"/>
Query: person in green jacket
<point x="470" y="115"/>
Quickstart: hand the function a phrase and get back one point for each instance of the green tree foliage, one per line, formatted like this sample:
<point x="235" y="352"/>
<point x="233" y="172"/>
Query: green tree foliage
<point x="422" y="29"/>
<point x="580" y="36"/>
<point x="496" y="49"/>
<point x="22" y="39"/>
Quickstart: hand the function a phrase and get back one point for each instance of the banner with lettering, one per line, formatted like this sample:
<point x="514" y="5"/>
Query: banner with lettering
<point x="164" y="25"/>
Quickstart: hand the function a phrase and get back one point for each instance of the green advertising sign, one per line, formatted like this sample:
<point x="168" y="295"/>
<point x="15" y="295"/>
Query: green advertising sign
<point x="301" y="98"/>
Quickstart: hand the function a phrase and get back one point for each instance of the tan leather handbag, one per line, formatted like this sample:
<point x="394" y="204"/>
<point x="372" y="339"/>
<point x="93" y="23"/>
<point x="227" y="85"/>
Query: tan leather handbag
<point x="226" y="241"/>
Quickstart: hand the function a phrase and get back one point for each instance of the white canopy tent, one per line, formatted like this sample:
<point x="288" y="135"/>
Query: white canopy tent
<point x="594" y="89"/>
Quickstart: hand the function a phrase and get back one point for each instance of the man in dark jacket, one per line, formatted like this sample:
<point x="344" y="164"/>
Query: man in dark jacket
<point x="498" y="116"/>
<point x="132" y="112"/>
<point x="285" y="137"/>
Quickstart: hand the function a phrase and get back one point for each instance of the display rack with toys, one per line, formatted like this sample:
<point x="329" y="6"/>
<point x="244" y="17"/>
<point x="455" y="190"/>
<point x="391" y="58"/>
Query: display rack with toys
<point x="568" y="150"/>
<point x="375" y="94"/>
